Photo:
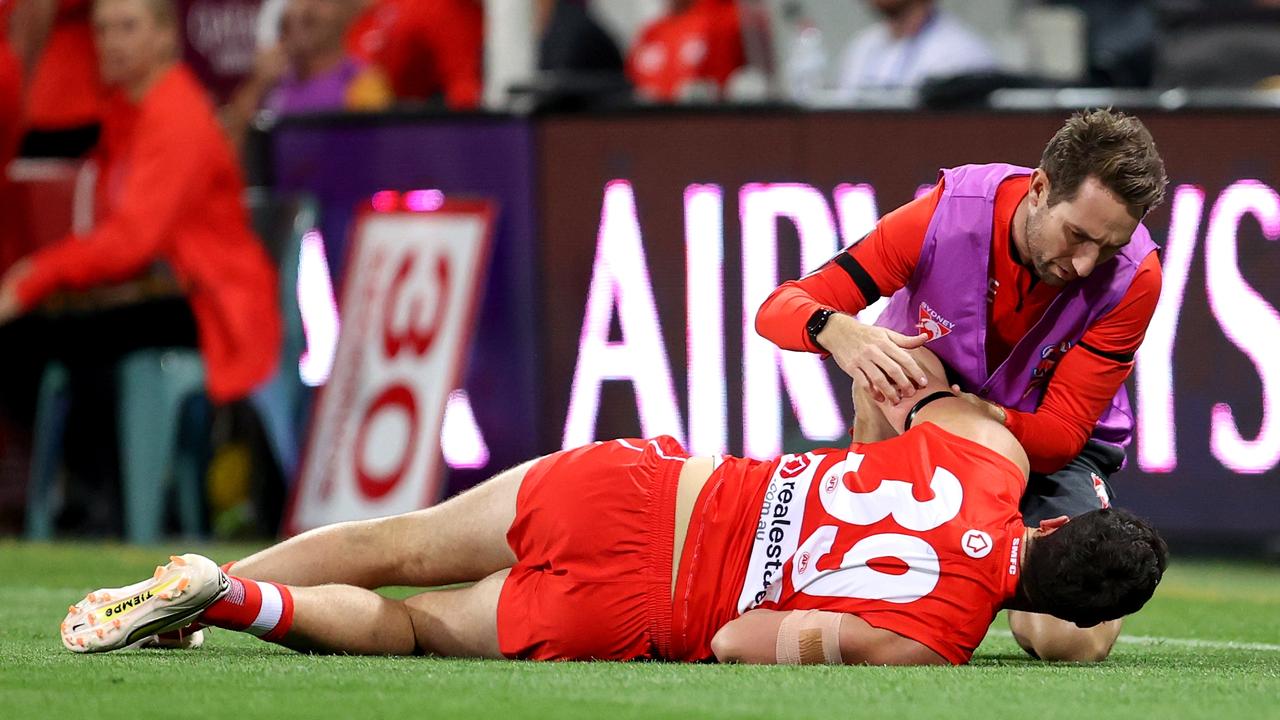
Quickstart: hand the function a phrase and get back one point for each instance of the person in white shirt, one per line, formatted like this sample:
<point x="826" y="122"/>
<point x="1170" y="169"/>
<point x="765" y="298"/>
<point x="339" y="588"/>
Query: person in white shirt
<point x="913" y="42"/>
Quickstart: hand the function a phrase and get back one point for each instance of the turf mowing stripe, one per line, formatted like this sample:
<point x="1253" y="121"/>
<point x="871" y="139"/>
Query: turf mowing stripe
<point x="1177" y="642"/>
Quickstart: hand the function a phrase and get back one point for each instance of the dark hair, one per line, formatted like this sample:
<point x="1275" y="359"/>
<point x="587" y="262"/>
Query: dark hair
<point x="1102" y="565"/>
<point x="1115" y="148"/>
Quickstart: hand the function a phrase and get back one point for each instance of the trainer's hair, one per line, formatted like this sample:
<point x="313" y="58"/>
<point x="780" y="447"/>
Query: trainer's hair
<point x="1115" y="148"/>
<point x="1102" y="565"/>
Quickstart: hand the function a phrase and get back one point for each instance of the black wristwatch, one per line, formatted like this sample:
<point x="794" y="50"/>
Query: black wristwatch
<point x="818" y="321"/>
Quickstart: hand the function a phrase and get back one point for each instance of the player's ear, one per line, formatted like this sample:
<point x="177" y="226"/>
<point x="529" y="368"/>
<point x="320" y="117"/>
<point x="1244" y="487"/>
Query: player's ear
<point x="1047" y="527"/>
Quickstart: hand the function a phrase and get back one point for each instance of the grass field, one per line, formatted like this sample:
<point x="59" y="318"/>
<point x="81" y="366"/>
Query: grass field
<point x="1208" y="646"/>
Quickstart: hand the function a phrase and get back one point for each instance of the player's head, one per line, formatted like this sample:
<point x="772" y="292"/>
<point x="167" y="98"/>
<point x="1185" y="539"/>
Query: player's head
<point x="134" y="38"/>
<point x="1100" y="566"/>
<point x="1098" y="176"/>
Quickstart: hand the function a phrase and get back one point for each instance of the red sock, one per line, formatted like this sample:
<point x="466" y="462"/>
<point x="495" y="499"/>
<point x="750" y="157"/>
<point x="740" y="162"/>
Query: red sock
<point x="264" y="609"/>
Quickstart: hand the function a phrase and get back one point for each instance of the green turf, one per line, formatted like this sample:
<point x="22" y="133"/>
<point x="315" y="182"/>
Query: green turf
<point x="238" y="677"/>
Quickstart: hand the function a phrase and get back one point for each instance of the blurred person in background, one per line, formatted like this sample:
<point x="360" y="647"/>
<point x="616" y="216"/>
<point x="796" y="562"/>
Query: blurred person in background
<point x="572" y="40"/>
<point x="10" y="87"/>
<point x="698" y="42"/>
<point x="1232" y="44"/>
<point x="310" y="70"/>
<point x="172" y="255"/>
<point x="10" y="123"/>
<point x="429" y="50"/>
<point x="579" y="65"/>
<point x="1122" y="39"/>
<point x="913" y="42"/>
<point x="63" y="104"/>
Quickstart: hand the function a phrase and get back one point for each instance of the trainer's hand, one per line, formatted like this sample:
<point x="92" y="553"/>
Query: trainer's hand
<point x="992" y="410"/>
<point x="10" y="307"/>
<point x="875" y="356"/>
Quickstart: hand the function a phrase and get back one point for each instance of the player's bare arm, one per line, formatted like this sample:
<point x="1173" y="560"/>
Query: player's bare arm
<point x="810" y="637"/>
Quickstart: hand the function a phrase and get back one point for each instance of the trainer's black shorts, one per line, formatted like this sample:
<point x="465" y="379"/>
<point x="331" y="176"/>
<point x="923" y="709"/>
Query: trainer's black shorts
<point x="1081" y="486"/>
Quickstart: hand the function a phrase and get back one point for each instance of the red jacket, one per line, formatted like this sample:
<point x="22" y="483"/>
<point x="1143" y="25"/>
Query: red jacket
<point x="170" y="190"/>
<point x="10" y="135"/>
<point x="425" y="47"/>
<point x="65" y="90"/>
<point x="703" y="42"/>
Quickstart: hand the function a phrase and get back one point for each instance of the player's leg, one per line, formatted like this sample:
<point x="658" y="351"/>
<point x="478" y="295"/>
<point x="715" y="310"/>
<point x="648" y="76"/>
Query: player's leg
<point x="461" y="622"/>
<point x="1074" y="490"/>
<point x="343" y="619"/>
<point x="1048" y="638"/>
<point x="347" y="619"/>
<point x="352" y="620"/>
<point x="421" y="549"/>
<point x="327" y="618"/>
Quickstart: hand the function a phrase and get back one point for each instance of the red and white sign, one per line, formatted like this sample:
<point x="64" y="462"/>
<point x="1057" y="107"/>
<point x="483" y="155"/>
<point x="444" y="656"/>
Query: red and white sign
<point x="409" y="297"/>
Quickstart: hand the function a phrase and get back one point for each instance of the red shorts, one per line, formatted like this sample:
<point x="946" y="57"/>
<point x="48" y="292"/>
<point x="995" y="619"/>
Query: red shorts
<point x="593" y="539"/>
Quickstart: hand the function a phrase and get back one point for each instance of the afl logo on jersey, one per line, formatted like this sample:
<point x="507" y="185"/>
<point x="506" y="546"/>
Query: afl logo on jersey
<point x="976" y="544"/>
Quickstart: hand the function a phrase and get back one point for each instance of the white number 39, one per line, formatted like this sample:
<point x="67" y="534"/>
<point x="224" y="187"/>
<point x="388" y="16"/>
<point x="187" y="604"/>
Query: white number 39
<point x="892" y="498"/>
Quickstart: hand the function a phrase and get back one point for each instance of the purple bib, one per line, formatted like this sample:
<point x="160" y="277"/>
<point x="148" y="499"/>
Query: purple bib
<point x="947" y="296"/>
<point x="325" y="91"/>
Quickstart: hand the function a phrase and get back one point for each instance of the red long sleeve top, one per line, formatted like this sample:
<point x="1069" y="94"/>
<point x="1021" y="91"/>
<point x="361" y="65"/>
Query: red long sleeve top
<point x="65" y="90"/>
<point x="169" y="190"/>
<point x="10" y="135"/>
<point x="1087" y="377"/>
<point x="704" y="41"/>
<point x="425" y="47"/>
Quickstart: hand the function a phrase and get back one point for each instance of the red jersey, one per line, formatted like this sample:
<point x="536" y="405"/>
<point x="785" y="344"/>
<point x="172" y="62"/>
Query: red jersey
<point x="702" y="42"/>
<point x="65" y="89"/>
<point x="10" y="135"/>
<point x="425" y="47"/>
<point x="919" y="535"/>
<point x="1086" y="379"/>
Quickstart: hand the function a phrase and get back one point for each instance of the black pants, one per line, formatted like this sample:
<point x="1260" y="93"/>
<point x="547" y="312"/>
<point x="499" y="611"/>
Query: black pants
<point x="89" y="345"/>
<point x="1082" y="485"/>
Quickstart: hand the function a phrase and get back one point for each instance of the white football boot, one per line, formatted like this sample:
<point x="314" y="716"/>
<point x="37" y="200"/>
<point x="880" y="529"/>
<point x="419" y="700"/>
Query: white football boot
<point x="172" y="598"/>
<point x="180" y="639"/>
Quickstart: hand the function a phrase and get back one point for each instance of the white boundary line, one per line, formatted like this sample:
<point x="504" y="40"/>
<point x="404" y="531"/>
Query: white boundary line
<point x="1175" y="642"/>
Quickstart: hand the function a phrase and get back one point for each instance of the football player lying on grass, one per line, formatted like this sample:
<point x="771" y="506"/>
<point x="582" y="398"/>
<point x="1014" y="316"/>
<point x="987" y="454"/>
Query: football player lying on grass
<point x="900" y="551"/>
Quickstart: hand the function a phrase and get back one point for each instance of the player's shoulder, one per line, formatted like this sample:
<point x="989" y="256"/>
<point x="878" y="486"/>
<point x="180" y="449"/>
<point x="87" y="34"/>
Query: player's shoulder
<point x="974" y="438"/>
